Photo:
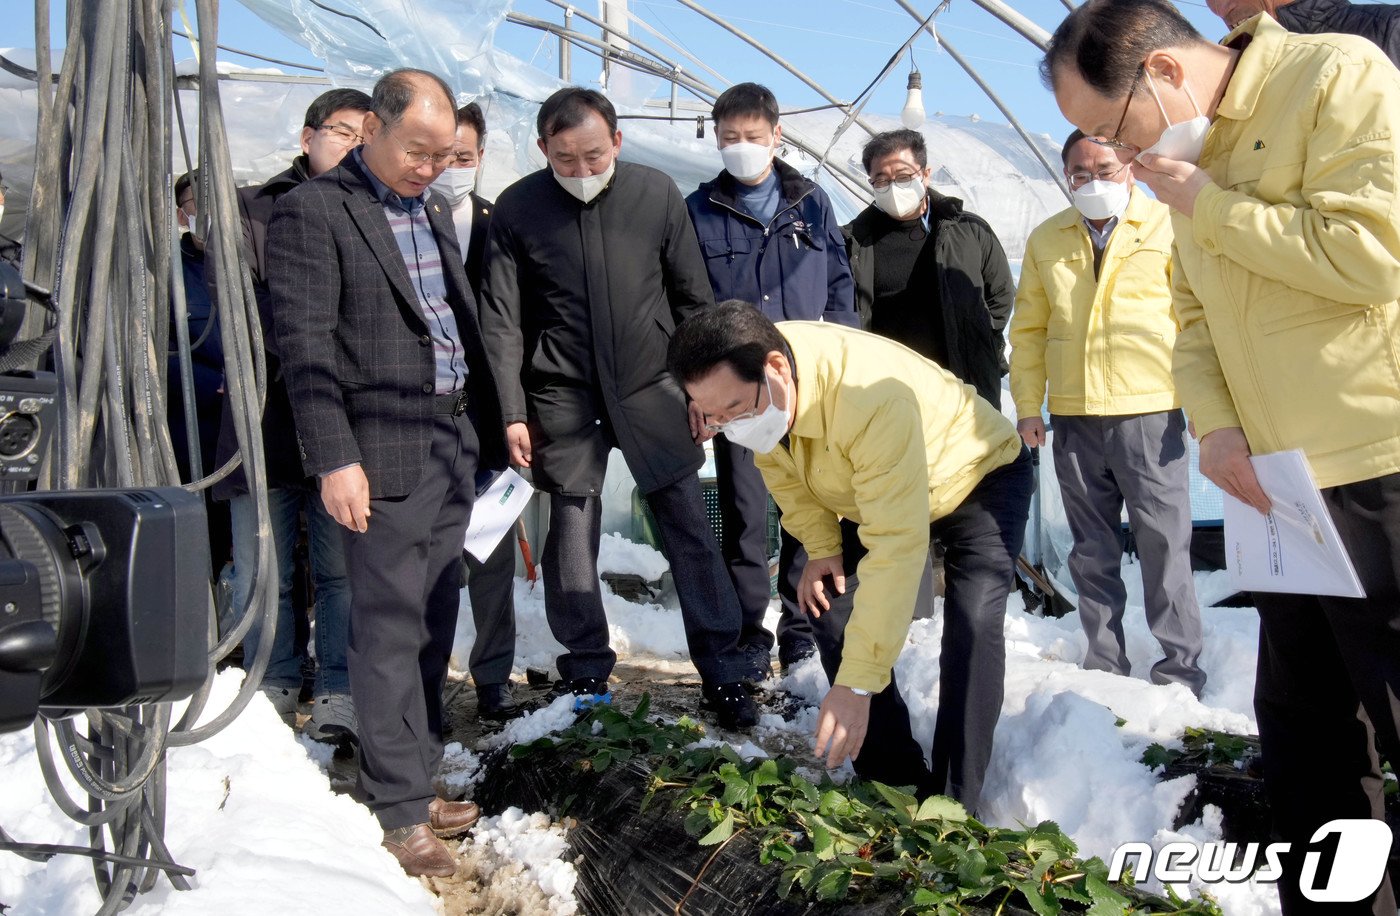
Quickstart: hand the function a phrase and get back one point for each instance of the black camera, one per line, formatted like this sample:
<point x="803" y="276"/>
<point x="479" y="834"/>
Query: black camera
<point x="103" y="593"/>
<point x="103" y="600"/>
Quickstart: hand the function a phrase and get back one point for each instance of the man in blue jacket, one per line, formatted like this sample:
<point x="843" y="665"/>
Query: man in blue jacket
<point x="769" y="237"/>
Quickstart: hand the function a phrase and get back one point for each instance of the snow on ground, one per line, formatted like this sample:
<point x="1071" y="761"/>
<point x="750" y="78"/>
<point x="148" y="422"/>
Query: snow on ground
<point x="519" y="848"/>
<point x="252" y="811"/>
<point x="247" y="808"/>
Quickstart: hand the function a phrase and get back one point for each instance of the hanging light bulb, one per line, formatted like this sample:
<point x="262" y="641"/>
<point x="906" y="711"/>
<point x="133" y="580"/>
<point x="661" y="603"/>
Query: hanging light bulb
<point x="912" y="115"/>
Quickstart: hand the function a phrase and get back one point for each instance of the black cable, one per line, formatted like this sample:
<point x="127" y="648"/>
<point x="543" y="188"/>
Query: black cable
<point x="42" y="852"/>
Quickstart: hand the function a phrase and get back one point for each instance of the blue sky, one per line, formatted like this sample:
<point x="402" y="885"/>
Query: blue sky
<point x="842" y="44"/>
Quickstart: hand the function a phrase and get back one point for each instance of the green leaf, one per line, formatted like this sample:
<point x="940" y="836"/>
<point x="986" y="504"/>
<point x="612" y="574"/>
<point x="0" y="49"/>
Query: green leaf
<point x="1043" y="905"/>
<point x="1158" y="756"/>
<point x="834" y="884"/>
<point x="940" y="806"/>
<point x="602" y="760"/>
<point x="643" y="707"/>
<point x="1106" y="901"/>
<point x="698" y="821"/>
<point x="822" y="843"/>
<point x="897" y="799"/>
<point x="723" y="831"/>
<point x="766" y="774"/>
<point x="972" y="869"/>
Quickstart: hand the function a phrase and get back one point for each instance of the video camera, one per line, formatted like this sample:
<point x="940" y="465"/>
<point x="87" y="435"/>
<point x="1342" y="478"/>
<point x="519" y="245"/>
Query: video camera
<point x="103" y="593"/>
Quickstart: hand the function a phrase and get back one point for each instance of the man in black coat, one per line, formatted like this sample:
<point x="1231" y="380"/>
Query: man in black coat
<point x="1379" y="22"/>
<point x="329" y="131"/>
<point x="928" y="273"/>
<point x="395" y="411"/>
<point x="591" y="263"/>
<point x="491" y="584"/>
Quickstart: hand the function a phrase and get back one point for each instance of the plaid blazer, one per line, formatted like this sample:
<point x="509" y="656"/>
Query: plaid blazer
<point x="356" y="354"/>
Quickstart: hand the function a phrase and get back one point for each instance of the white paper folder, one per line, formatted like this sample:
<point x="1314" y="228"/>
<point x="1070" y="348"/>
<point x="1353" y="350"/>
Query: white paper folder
<point x="495" y="513"/>
<point x="1295" y="548"/>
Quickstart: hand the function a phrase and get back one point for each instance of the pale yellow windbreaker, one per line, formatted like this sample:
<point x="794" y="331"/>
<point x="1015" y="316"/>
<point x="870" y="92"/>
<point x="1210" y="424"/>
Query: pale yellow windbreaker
<point x="1104" y="346"/>
<point x="893" y="442"/>
<point x="1288" y="273"/>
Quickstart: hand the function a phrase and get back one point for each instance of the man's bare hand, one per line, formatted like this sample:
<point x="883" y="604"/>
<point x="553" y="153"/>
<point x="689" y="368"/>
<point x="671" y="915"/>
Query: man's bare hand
<point x="346" y="495"/>
<point x="518" y="438"/>
<point x="811" y="590"/>
<point x="1032" y="430"/>
<point x="698" y="432"/>
<point x="842" y="723"/>
<point x="1176" y="183"/>
<point x="1225" y="461"/>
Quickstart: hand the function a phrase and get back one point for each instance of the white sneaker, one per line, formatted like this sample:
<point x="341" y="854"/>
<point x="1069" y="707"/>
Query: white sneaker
<point x="284" y="700"/>
<point x="333" y="719"/>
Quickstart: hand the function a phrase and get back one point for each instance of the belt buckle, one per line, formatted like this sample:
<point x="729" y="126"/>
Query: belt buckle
<point x="459" y="407"/>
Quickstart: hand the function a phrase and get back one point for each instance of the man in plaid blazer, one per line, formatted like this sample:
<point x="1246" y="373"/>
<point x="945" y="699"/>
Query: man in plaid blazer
<point x="395" y="410"/>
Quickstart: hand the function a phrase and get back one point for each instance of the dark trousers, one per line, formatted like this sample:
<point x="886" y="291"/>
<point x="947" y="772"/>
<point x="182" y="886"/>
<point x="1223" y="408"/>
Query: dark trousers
<point x="574" y="600"/>
<point x="491" y="586"/>
<point x="1140" y="459"/>
<point x="981" y="539"/>
<point x="405" y="586"/>
<point x="1327" y="686"/>
<point x="743" y="506"/>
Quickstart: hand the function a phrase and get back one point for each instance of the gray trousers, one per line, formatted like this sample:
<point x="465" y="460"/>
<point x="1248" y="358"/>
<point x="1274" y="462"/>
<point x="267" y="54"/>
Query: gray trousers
<point x="1141" y="460"/>
<point x="491" y="586"/>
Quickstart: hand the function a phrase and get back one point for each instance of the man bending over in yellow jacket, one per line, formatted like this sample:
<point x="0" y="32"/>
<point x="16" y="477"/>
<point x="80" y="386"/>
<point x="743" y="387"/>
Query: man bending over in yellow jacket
<point x="852" y="429"/>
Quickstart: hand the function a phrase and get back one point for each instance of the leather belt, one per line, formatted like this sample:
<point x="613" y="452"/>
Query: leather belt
<point x="450" y="405"/>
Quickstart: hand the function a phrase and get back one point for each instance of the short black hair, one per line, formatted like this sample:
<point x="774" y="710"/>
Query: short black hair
<point x="397" y="89"/>
<point x="1106" y="42"/>
<point x="183" y="183"/>
<point x="892" y="141"/>
<point x="733" y="332"/>
<point x="743" y="99"/>
<point x="328" y="103"/>
<point x="469" y="115"/>
<point x="570" y="107"/>
<point x="1074" y="137"/>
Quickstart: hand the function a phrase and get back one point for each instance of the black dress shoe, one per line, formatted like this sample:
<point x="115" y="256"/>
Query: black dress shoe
<point x="494" y="701"/>
<point x="732" y="706"/>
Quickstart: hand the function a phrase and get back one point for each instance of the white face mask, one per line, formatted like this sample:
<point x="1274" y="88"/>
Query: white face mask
<point x="455" y="184"/>
<point x="1102" y="199"/>
<point x="585" y="189"/>
<point x="763" y="432"/>
<point x="901" y="199"/>
<point x="1182" y="142"/>
<point x="746" y="161"/>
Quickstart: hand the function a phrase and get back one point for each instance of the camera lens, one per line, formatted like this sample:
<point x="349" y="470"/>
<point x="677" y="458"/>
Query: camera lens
<point x="29" y="532"/>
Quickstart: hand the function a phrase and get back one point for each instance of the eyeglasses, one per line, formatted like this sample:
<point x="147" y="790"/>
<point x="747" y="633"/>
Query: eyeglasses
<point x="1078" y="180"/>
<point x="418" y="158"/>
<point x="344" y="134"/>
<point x="746" y="415"/>
<point x="882" y="182"/>
<point x="462" y="160"/>
<point x="1113" y="142"/>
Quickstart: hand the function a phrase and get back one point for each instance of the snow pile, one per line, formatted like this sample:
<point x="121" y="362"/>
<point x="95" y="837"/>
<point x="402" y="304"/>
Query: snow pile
<point x="616" y="554"/>
<point x="555" y="717"/>
<point x="460" y="769"/>
<point x="247" y="809"/>
<point x="518" y="849"/>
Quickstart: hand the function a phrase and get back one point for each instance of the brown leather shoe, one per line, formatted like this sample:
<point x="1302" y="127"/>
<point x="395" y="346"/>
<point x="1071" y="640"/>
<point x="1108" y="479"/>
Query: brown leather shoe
<point x="419" y="852"/>
<point x="452" y="818"/>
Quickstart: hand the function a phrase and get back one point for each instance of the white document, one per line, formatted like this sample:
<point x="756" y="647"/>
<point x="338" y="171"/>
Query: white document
<point x="495" y="513"/>
<point x="1295" y="548"/>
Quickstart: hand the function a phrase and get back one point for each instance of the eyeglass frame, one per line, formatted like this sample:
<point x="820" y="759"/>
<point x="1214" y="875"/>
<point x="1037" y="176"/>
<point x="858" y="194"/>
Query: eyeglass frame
<point x="746" y="415"/>
<point x="409" y="155"/>
<point x="340" y="130"/>
<point x="1113" y="142"/>
<point x="898" y="180"/>
<point x="1094" y="176"/>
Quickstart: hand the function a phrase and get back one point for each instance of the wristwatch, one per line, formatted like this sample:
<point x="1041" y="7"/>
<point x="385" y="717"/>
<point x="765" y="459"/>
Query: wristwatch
<point x="858" y="692"/>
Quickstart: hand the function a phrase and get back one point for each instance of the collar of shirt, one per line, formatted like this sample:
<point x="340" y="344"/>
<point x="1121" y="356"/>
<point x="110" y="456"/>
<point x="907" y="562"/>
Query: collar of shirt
<point x="387" y="197"/>
<point x="1100" y="236"/>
